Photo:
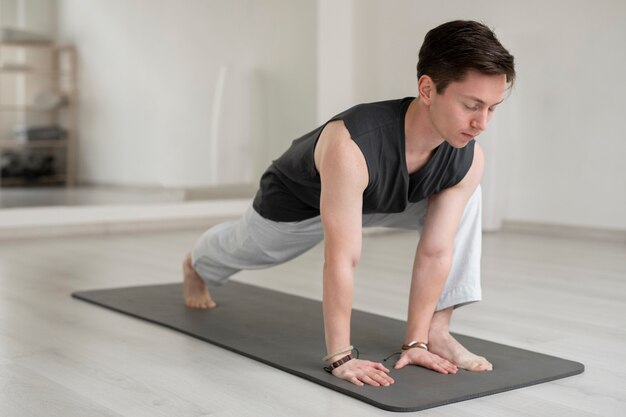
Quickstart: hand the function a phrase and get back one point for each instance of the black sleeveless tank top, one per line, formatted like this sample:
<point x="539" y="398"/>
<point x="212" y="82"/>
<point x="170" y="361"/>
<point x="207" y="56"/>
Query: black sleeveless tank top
<point x="290" y="188"/>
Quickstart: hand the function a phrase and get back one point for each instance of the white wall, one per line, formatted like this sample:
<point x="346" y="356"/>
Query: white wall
<point x="148" y="74"/>
<point x="335" y="57"/>
<point x="561" y="139"/>
<point x="149" y="70"/>
<point x="568" y="137"/>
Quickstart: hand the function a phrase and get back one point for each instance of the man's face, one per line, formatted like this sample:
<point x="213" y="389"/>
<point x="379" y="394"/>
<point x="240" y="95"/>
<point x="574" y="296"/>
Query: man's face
<point x="465" y="107"/>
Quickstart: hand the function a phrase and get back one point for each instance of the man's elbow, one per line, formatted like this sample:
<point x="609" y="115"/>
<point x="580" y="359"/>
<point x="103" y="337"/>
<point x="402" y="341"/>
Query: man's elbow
<point x="435" y="252"/>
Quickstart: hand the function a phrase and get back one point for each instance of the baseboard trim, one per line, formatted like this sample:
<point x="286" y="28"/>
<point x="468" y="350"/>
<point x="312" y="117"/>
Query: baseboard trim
<point x="89" y="220"/>
<point x="31" y="223"/>
<point x="564" y="231"/>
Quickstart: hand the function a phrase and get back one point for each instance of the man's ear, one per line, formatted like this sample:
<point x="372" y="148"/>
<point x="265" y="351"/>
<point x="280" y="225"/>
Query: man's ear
<point x="426" y="88"/>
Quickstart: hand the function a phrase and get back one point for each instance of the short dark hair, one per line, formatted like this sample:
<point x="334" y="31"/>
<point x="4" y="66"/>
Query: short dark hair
<point x="452" y="49"/>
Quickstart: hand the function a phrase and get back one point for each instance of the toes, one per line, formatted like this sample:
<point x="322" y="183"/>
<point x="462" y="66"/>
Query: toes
<point x="483" y="364"/>
<point x="201" y="304"/>
<point x="480" y="364"/>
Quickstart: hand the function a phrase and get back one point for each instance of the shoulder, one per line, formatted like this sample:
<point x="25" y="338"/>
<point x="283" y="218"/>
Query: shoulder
<point x="475" y="173"/>
<point x="366" y="117"/>
<point x="336" y="154"/>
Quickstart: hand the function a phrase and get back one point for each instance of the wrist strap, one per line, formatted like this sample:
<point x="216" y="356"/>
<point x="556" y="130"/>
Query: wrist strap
<point x="338" y="363"/>
<point x="415" y="344"/>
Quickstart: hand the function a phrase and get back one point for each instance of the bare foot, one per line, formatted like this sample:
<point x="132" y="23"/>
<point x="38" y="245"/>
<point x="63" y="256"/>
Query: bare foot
<point x="195" y="290"/>
<point x="443" y="344"/>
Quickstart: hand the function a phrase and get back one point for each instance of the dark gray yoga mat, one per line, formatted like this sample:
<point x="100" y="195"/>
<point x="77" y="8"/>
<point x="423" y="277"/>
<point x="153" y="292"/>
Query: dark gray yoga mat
<point x="286" y="332"/>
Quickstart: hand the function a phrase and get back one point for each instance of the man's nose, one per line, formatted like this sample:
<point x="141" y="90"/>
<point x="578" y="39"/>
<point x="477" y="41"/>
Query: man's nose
<point x="481" y="120"/>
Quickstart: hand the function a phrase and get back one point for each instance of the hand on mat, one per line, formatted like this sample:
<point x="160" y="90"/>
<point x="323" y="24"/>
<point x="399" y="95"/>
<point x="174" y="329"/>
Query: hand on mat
<point x="361" y="372"/>
<point x="426" y="359"/>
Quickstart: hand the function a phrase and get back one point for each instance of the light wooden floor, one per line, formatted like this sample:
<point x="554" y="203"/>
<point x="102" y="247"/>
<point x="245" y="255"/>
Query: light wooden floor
<point x="64" y="357"/>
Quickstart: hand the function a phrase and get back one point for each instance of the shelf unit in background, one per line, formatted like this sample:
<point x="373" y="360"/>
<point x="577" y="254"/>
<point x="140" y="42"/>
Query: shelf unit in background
<point x="29" y="71"/>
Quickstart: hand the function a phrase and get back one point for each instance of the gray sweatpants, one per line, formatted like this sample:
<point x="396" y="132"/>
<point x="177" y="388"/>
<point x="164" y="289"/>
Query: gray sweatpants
<point x="254" y="242"/>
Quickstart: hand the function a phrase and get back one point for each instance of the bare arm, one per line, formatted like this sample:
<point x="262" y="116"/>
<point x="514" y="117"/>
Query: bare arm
<point x="433" y="259"/>
<point x="344" y="176"/>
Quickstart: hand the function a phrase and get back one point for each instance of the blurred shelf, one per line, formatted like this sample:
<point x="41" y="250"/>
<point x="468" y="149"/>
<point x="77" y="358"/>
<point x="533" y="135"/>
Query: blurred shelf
<point x="23" y="181"/>
<point x="33" y="71"/>
<point x="31" y="44"/>
<point x="29" y="109"/>
<point x="33" y="144"/>
<point x="25" y="74"/>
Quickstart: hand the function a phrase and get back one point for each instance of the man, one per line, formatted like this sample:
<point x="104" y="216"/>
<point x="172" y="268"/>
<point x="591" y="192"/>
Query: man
<point x="410" y="163"/>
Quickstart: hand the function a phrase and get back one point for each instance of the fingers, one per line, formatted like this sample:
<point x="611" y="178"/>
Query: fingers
<point x="402" y="362"/>
<point x="378" y="378"/>
<point x="380" y="366"/>
<point x="356" y="381"/>
<point x="374" y="377"/>
<point x="444" y="367"/>
<point x="427" y="360"/>
<point x="439" y="364"/>
<point x="361" y="372"/>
